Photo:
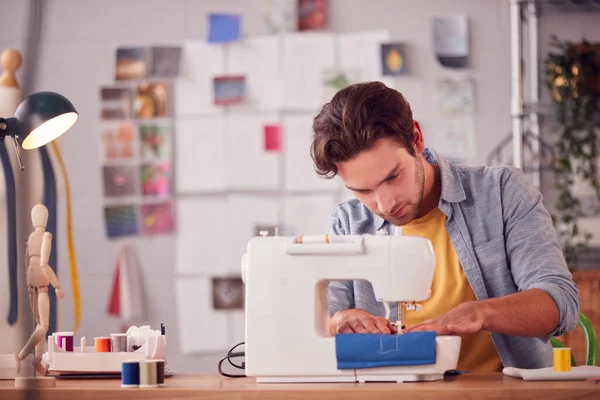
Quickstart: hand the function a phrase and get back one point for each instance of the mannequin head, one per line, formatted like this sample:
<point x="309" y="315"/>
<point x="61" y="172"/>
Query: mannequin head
<point x="39" y="216"/>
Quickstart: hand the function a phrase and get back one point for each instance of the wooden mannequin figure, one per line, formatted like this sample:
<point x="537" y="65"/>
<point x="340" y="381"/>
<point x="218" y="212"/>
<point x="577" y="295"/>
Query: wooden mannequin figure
<point x="39" y="277"/>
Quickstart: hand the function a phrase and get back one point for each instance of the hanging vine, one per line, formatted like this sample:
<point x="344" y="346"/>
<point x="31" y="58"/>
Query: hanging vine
<point x="573" y="78"/>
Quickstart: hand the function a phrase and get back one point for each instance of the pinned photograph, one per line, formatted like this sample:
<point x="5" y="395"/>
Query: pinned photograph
<point x="120" y="180"/>
<point x="455" y="96"/>
<point x="165" y="61"/>
<point x="118" y="142"/>
<point x="157" y="218"/>
<point x="228" y="293"/>
<point x="393" y="60"/>
<point x="152" y="100"/>
<point x="155" y="179"/>
<point x="451" y="40"/>
<point x="312" y="14"/>
<point x="272" y="137"/>
<point x="335" y="80"/>
<point x="223" y="28"/>
<point x="132" y="63"/>
<point x="282" y="16"/>
<point x="229" y="90"/>
<point x="116" y="103"/>
<point x="121" y="221"/>
<point x="155" y="142"/>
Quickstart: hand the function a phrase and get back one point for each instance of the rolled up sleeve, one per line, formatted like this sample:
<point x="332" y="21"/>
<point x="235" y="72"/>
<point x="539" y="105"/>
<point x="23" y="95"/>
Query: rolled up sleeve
<point x="535" y="256"/>
<point x="341" y="293"/>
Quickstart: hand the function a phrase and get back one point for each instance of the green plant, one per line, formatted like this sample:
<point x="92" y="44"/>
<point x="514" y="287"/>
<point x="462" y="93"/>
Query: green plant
<point x="573" y="78"/>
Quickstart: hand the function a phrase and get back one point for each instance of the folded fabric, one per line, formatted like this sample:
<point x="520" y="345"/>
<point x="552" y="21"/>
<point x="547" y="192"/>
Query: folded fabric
<point x="370" y="350"/>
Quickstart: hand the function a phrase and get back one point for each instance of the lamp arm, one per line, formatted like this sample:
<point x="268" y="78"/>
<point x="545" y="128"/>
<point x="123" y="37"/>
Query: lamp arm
<point x="10" y="127"/>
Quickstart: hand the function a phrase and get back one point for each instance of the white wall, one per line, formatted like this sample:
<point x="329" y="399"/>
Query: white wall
<point x="77" y="57"/>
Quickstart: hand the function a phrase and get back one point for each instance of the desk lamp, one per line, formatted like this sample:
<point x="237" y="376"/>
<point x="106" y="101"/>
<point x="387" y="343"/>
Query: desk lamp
<point x="38" y="120"/>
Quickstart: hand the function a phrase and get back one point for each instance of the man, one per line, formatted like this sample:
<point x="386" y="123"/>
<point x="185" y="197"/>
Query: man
<point x="501" y="281"/>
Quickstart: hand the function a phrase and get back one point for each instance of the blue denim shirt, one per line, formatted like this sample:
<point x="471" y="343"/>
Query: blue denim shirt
<point x="505" y="241"/>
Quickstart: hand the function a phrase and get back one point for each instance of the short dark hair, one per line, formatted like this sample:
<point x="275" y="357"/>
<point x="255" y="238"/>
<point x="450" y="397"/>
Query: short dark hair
<point x="354" y="120"/>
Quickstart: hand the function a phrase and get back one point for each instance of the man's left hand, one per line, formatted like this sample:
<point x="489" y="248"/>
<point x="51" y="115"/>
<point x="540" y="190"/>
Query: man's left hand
<point x="466" y="318"/>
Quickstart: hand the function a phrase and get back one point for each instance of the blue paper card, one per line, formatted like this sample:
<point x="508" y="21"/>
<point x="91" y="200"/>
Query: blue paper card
<point x="370" y="350"/>
<point x="224" y="28"/>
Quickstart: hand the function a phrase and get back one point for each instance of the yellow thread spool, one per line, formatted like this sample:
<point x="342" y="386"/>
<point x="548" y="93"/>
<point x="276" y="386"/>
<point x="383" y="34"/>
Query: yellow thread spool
<point x="562" y="359"/>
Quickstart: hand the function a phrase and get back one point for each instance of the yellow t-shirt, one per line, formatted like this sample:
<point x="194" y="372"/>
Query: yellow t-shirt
<point x="450" y="288"/>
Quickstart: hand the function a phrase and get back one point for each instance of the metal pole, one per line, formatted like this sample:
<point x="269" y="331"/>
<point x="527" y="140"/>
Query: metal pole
<point x="516" y="83"/>
<point x="534" y="90"/>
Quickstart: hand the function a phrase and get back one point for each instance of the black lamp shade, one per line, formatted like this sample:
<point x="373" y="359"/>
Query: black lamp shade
<point x="42" y="117"/>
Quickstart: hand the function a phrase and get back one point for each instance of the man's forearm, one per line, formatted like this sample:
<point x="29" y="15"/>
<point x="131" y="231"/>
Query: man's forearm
<point x="531" y="313"/>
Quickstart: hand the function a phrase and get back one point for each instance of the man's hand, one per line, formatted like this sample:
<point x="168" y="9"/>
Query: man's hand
<point x="359" y="321"/>
<point x="468" y="317"/>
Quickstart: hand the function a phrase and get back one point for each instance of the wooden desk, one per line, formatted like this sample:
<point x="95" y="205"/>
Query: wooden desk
<point x="185" y="387"/>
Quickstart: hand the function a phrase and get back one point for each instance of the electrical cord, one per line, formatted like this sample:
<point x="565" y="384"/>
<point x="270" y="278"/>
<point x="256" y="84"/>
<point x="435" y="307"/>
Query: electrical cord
<point x="231" y="353"/>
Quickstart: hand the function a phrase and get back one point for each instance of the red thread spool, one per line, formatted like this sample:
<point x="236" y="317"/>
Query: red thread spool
<point x="102" y="344"/>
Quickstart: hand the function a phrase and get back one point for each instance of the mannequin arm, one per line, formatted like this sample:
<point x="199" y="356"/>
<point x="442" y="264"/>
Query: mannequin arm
<point x="44" y="257"/>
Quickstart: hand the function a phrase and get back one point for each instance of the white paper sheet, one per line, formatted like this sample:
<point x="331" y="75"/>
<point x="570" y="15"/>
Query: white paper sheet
<point x="244" y="214"/>
<point x="194" y="87"/>
<point x="201" y="235"/>
<point x="200" y="157"/>
<point x="362" y="51"/>
<point x="299" y="169"/>
<point x="249" y="166"/>
<point x="259" y="60"/>
<point x="308" y="215"/>
<point x="455" y="137"/>
<point x="201" y="329"/>
<point x="413" y="90"/>
<point x="305" y="56"/>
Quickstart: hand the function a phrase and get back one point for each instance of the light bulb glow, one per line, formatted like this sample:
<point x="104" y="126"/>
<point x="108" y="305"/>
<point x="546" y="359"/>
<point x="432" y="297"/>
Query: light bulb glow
<point x="49" y="130"/>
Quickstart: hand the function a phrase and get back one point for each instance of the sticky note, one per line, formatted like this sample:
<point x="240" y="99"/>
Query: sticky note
<point x="272" y="138"/>
<point x="224" y="28"/>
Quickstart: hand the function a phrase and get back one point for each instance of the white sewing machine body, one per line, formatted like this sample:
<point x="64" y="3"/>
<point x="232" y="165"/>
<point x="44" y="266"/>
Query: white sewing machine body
<point x="287" y="298"/>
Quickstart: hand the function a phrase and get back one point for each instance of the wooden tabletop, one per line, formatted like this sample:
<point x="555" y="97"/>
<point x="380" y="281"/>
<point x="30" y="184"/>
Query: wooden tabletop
<point x="207" y="386"/>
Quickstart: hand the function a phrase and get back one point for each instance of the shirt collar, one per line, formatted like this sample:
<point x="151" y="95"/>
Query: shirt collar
<point x="452" y="188"/>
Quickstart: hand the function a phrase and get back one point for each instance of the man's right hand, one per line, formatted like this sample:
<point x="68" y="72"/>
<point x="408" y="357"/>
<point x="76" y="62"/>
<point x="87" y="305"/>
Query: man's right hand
<point x="359" y="321"/>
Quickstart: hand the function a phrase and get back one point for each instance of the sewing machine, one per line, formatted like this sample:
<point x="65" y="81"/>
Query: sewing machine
<point x="287" y="299"/>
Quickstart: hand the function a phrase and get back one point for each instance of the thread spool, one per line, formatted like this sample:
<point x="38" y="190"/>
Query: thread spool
<point x="148" y="374"/>
<point x="102" y="344"/>
<point x="160" y="372"/>
<point x="118" y="342"/>
<point x="64" y="340"/>
<point x="562" y="359"/>
<point x="130" y="374"/>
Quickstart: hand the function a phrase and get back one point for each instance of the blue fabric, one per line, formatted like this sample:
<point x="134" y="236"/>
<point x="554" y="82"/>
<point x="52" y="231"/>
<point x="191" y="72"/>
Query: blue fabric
<point x="505" y="241"/>
<point x="370" y="350"/>
<point x="11" y="225"/>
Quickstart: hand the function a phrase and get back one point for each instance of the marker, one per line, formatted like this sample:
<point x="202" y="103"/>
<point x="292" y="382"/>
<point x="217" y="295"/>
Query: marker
<point x="162" y="329"/>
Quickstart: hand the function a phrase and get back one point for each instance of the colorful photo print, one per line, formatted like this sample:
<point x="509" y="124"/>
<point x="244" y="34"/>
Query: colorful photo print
<point x="393" y="60"/>
<point x="121" y="220"/>
<point x="120" y="180"/>
<point x="118" y="142"/>
<point x="335" y="80"/>
<point x="229" y="90"/>
<point x="165" y="62"/>
<point x="155" y="142"/>
<point x="152" y="100"/>
<point x="132" y="63"/>
<point x="157" y="218"/>
<point x="312" y="14"/>
<point x="156" y="179"/>
<point x="116" y="103"/>
<point x="228" y="293"/>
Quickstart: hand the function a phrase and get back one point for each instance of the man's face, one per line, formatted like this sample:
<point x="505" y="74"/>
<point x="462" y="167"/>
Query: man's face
<point x="387" y="179"/>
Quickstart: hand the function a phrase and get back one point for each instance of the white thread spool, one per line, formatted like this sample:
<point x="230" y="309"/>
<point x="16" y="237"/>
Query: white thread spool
<point x="148" y="374"/>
